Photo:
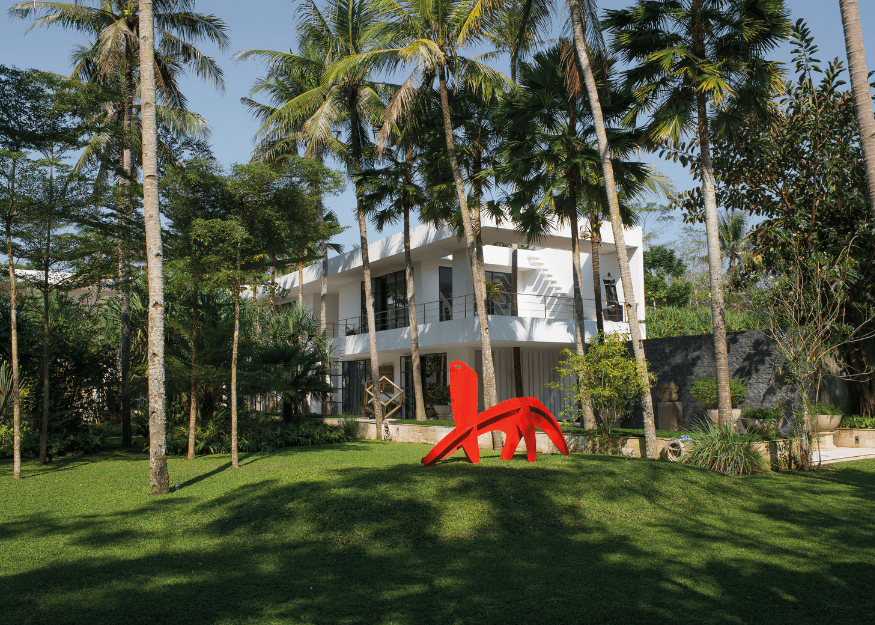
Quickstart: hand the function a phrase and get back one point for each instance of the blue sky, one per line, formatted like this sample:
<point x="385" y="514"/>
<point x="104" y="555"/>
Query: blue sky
<point x="269" y="24"/>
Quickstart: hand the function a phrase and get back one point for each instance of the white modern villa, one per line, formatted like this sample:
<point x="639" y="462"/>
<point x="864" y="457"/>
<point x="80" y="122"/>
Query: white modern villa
<point x="448" y="325"/>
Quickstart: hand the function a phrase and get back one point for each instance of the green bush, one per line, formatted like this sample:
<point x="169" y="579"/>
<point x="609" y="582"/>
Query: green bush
<point x="704" y="390"/>
<point x="823" y="409"/>
<point x="255" y="432"/>
<point x="439" y="395"/>
<point x="669" y="321"/>
<point x="720" y="449"/>
<point x="856" y="421"/>
<point x="86" y="440"/>
<point x="350" y="427"/>
<point x="766" y="414"/>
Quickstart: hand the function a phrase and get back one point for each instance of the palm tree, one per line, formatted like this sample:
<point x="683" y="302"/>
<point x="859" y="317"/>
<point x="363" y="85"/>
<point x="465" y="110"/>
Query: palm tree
<point x="113" y="58"/>
<point x="345" y="99"/>
<point x="687" y="56"/>
<point x="732" y="231"/>
<point x="584" y="16"/>
<point x="429" y="36"/>
<point x="861" y="90"/>
<point x="549" y="154"/>
<point x="288" y="77"/>
<point x="392" y="192"/>
<point x="159" y="478"/>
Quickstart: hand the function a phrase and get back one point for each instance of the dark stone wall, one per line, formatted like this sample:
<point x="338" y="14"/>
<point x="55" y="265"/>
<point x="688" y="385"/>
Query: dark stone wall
<point x="751" y="356"/>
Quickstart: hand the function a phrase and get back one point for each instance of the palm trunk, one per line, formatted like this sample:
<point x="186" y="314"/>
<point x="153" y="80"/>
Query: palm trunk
<point x="235" y="464"/>
<point x="587" y="417"/>
<point x="490" y="395"/>
<point x="715" y="268"/>
<point x="595" y="239"/>
<point x="861" y="90"/>
<point x="377" y="405"/>
<point x="323" y="293"/>
<point x="514" y="312"/>
<point x="44" y="427"/>
<point x="418" y="395"/>
<point x="124" y="260"/>
<point x="192" y="409"/>
<point x="616" y="225"/>
<point x="159" y="477"/>
<point x="481" y="271"/>
<point x="301" y="282"/>
<point x="13" y="335"/>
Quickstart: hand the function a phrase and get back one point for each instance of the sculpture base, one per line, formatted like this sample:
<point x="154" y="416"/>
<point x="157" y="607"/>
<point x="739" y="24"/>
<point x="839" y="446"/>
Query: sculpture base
<point x="670" y="415"/>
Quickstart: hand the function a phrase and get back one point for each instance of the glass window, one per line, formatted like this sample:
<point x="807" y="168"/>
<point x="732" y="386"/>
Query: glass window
<point x="354" y="375"/>
<point x="390" y="302"/>
<point x="434" y="373"/>
<point x="497" y="293"/>
<point x="613" y="311"/>
<point x="445" y="290"/>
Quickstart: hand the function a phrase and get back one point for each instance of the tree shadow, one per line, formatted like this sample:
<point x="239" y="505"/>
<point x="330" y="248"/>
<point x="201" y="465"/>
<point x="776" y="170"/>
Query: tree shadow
<point x="565" y="540"/>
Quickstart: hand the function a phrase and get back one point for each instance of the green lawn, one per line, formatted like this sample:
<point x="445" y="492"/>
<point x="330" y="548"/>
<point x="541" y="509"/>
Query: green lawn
<point x="362" y="533"/>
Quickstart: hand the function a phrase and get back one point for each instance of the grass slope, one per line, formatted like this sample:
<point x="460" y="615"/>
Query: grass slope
<point x="362" y="533"/>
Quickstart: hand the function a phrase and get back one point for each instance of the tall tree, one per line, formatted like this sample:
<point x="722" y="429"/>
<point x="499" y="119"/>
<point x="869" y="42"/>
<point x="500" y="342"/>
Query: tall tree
<point x="113" y="58"/>
<point x="289" y="77"/>
<point x="698" y="66"/>
<point x="348" y="100"/>
<point x="430" y="37"/>
<point x="393" y="191"/>
<point x="861" y="90"/>
<point x="159" y="477"/>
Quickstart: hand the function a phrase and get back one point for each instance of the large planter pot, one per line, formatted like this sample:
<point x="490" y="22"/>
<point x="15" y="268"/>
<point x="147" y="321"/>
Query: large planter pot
<point x="713" y="415"/>
<point x="825" y="422"/>
<point x="760" y="426"/>
<point x="443" y="410"/>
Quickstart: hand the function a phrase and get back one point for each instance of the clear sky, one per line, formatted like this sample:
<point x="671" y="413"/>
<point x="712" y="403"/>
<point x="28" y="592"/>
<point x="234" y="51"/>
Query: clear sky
<point x="269" y="24"/>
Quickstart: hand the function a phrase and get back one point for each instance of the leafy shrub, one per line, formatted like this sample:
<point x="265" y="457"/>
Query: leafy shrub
<point x="610" y="380"/>
<point x="704" y="390"/>
<point x="350" y="427"/>
<point x="720" y="449"/>
<point x="255" y="432"/>
<point x="439" y="395"/>
<point x="86" y="440"/>
<point x="830" y="410"/>
<point x="856" y="421"/>
<point x="668" y="321"/>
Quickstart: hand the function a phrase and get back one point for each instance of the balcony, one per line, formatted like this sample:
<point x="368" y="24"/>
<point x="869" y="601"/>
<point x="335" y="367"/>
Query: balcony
<point x="550" y="307"/>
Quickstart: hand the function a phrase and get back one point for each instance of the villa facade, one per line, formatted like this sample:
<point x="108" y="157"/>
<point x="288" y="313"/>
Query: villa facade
<point x="446" y="314"/>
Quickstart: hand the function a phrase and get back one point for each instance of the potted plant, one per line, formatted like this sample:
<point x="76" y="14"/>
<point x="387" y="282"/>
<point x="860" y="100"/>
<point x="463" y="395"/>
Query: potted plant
<point x="704" y="390"/>
<point x="439" y="396"/>
<point x="762" y="420"/>
<point x="825" y="418"/>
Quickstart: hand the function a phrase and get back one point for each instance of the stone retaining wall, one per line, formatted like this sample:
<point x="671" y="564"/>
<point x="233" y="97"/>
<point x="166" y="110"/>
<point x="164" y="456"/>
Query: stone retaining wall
<point x="632" y="447"/>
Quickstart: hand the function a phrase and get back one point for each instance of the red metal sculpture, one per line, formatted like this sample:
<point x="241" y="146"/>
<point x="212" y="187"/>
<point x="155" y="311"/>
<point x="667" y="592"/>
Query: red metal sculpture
<point x="517" y="418"/>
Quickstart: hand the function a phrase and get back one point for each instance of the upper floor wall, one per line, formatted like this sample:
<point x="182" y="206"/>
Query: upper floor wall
<point x="545" y="283"/>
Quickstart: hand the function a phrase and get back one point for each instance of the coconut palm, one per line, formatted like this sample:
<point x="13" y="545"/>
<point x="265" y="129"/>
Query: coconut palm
<point x="429" y="37"/>
<point x="861" y="90"/>
<point x="392" y="191"/>
<point x="159" y="477"/>
<point x="345" y="100"/>
<point x="732" y="231"/>
<point x="549" y="153"/>
<point x="290" y="76"/>
<point x="113" y="58"/>
<point x="586" y="35"/>
<point x="689" y="56"/>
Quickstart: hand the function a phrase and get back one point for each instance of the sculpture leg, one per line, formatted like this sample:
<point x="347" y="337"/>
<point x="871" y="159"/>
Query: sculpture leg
<point x="449" y="444"/>
<point x="511" y="442"/>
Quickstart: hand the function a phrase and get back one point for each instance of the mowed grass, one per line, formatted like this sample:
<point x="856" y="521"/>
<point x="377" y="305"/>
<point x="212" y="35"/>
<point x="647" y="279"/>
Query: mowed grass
<point x="362" y="533"/>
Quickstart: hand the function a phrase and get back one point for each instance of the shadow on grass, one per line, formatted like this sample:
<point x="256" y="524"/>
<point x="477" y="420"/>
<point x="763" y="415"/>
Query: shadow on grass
<point x="599" y="540"/>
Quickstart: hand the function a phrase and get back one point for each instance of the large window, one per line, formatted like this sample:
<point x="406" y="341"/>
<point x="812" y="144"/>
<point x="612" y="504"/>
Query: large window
<point x="445" y="290"/>
<point x="434" y="373"/>
<point x="390" y="301"/>
<point x="354" y="375"/>
<point x="498" y="293"/>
